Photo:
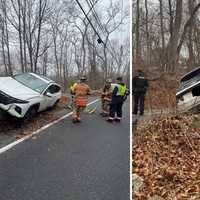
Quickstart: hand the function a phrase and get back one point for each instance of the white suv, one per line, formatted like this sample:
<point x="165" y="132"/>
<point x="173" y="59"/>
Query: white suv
<point x="24" y="95"/>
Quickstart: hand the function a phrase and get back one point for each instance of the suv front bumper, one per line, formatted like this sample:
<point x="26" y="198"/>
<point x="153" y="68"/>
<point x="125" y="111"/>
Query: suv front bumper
<point x="12" y="109"/>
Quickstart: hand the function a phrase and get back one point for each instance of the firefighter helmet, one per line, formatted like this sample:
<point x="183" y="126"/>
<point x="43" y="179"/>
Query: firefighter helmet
<point x="109" y="80"/>
<point x="83" y="78"/>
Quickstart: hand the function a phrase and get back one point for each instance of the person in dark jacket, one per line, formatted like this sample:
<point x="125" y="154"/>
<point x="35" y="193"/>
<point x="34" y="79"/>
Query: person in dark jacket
<point x="139" y="85"/>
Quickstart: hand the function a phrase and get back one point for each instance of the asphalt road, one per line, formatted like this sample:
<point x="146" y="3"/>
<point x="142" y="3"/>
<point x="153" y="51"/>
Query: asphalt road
<point x="87" y="161"/>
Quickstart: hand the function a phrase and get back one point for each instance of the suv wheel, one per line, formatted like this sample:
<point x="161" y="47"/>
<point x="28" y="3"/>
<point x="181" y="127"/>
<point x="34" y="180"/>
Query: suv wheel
<point x="30" y="114"/>
<point x="56" y="103"/>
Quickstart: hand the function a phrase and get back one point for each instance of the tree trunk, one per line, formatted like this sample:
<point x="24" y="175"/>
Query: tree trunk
<point x="172" y="53"/>
<point x="147" y="32"/>
<point x="7" y="40"/>
<point x="191" y="59"/>
<point x="171" y="17"/>
<point x="162" y="33"/>
<point x="137" y="37"/>
<point x="20" y="36"/>
<point x="42" y="9"/>
<point x="24" y="35"/>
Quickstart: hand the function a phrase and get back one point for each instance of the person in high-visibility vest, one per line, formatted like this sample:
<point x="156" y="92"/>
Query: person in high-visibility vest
<point x="71" y="105"/>
<point x="118" y="97"/>
<point x="106" y="97"/>
<point x="81" y="92"/>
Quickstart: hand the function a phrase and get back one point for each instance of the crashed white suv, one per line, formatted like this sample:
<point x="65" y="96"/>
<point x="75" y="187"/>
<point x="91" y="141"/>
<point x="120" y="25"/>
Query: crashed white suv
<point x="24" y="95"/>
<point x="188" y="94"/>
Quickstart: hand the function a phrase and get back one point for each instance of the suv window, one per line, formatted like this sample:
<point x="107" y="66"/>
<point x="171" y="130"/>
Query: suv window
<point x="53" y="89"/>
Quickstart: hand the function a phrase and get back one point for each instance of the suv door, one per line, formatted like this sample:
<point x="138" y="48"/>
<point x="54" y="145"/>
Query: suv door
<point x="52" y="94"/>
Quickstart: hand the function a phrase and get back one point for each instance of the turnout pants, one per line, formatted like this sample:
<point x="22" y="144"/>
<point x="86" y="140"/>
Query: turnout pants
<point x="116" y="108"/>
<point x="105" y="105"/>
<point x="80" y="105"/>
<point x="138" y="103"/>
<point x="77" y="112"/>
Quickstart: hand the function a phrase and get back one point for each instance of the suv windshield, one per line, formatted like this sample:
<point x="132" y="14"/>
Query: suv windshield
<point x="31" y="81"/>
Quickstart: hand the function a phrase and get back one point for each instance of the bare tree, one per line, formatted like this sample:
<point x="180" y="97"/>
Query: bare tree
<point x="174" y="43"/>
<point x="137" y="37"/>
<point x="55" y="38"/>
<point x="5" y="38"/>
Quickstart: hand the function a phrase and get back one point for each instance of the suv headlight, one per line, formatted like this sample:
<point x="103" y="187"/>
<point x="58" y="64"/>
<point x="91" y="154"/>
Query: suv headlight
<point x="14" y="100"/>
<point x="18" y="110"/>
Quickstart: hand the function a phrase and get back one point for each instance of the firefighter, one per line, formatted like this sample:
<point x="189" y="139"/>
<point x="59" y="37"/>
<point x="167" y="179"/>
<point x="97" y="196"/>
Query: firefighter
<point x="81" y="92"/>
<point x="118" y="97"/>
<point x="140" y="85"/>
<point x="106" y="97"/>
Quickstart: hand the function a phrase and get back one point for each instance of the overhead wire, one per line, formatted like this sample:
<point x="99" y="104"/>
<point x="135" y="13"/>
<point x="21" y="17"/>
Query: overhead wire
<point x="91" y="9"/>
<point x="99" y="37"/>
<point x="90" y="3"/>
<point x="98" y="19"/>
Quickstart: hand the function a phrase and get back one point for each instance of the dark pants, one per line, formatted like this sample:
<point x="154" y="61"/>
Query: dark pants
<point x="116" y="107"/>
<point x="138" y="103"/>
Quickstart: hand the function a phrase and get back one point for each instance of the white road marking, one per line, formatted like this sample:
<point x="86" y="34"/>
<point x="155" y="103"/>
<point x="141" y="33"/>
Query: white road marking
<point x="11" y="145"/>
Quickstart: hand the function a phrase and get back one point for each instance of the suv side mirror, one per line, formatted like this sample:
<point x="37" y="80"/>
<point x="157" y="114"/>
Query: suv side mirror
<point x="48" y="94"/>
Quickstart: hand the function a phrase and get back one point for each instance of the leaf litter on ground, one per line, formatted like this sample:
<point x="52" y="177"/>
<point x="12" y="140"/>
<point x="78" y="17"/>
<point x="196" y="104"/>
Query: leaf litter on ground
<point x="166" y="154"/>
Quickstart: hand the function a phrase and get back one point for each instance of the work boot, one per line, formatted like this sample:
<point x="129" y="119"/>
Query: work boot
<point x="76" y="120"/>
<point x="111" y="120"/>
<point x="117" y="119"/>
<point x="105" y="115"/>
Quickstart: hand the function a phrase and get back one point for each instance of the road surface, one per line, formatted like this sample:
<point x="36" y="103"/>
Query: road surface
<point x="87" y="161"/>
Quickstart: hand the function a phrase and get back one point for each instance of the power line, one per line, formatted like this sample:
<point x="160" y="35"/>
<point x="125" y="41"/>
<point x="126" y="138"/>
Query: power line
<point x="111" y="50"/>
<point x="90" y="3"/>
<point x="91" y="8"/>
<point x="99" y="37"/>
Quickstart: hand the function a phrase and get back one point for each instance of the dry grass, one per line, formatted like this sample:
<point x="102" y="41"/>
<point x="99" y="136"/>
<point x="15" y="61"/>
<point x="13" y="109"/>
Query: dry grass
<point x="162" y="93"/>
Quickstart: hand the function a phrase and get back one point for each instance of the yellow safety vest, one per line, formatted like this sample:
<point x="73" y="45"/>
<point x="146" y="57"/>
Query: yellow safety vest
<point x="72" y="88"/>
<point x="121" y="90"/>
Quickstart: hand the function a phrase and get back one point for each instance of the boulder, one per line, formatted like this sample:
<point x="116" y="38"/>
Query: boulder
<point x="138" y="183"/>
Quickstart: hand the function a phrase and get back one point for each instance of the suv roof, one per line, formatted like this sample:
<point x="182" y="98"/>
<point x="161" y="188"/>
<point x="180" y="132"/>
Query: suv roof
<point x="191" y="74"/>
<point x="189" y="81"/>
<point x="47" y="80"/>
